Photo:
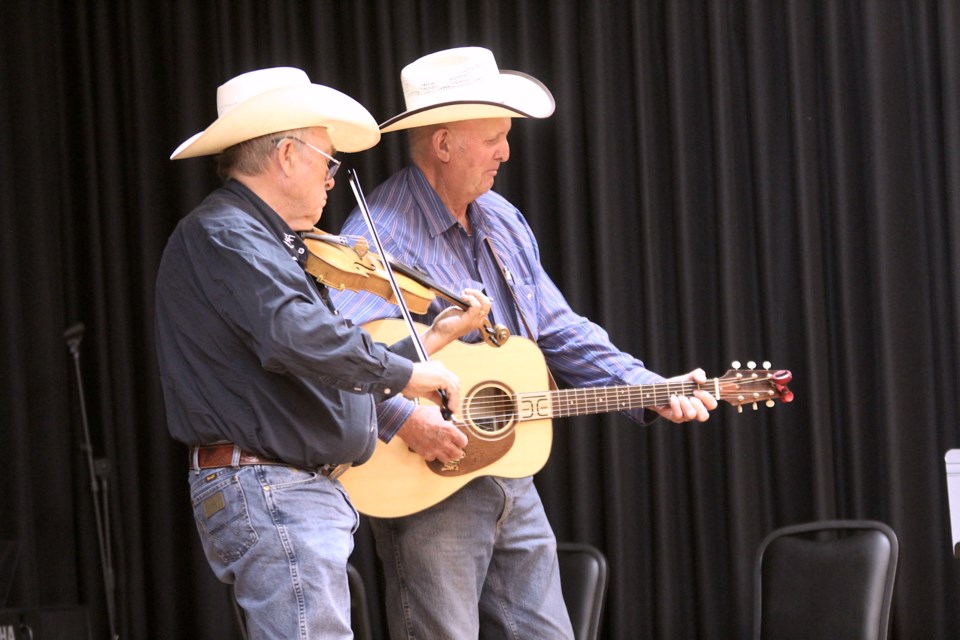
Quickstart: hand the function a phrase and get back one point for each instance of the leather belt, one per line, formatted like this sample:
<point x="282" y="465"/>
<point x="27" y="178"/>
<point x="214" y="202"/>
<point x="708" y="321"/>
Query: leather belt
<point x="210" y="456"/>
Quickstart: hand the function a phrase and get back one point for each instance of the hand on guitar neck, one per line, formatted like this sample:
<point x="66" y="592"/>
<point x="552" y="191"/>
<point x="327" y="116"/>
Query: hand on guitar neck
<point x="684" y="408"/>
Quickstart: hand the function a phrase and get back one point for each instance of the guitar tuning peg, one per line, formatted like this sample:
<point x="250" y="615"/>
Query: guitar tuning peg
<point x="754" y="406"/>
<point x="735" y="364"/>
<point x="751" y="365"/>
<point x="739" y="408"/>
<point x="766" y="364"/>
<point x="770" y="403"/>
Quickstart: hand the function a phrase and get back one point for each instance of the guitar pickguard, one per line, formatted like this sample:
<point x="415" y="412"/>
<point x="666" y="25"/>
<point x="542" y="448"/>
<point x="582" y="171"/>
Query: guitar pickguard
<point x="489" y="417"/>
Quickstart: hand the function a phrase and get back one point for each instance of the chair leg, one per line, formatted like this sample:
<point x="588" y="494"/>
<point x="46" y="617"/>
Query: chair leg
<point x="237" y="612"/>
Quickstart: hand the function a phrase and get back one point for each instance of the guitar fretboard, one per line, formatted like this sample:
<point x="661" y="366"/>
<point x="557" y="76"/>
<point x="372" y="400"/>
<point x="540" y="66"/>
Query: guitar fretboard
<point x="579" y="402"/>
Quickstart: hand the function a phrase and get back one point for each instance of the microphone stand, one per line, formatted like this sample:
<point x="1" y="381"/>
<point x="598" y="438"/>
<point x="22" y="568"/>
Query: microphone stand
<point x="99" y="471"/>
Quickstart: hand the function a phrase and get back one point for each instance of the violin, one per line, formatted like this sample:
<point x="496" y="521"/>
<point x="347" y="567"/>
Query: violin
<point x="338" y="264"/>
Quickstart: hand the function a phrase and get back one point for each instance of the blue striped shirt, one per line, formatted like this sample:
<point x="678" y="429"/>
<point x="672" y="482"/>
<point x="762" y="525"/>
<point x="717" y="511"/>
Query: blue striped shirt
<point x="416" y="229"/>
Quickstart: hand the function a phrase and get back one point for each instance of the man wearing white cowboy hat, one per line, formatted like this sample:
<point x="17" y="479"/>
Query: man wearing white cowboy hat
<point x="440" y="215"/>
<point x="270" y="388"/>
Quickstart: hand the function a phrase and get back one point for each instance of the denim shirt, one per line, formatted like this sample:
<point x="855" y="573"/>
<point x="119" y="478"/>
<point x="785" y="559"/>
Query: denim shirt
<point x="416" y="229"/>
<point x="251" y="349"/>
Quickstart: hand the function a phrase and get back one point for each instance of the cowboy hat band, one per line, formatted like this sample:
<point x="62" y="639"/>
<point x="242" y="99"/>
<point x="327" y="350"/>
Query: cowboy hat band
<point x="465" y="84"/>
<point x="278" y="99"/>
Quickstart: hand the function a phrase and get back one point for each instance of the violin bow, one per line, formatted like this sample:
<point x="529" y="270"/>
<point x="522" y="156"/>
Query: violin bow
<point x="398" y="294"/>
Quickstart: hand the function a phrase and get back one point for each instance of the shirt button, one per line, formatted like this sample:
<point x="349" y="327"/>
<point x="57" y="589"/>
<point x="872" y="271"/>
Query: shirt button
<point x="387" y="391"/>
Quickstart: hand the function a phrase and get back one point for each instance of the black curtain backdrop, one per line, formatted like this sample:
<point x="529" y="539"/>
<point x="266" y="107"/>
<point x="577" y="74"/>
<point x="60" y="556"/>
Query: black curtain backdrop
<point x="727" y="179"/>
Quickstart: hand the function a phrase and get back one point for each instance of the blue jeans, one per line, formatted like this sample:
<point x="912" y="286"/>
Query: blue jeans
<point x="481" y="564"/>
<point x="282" y="536"/>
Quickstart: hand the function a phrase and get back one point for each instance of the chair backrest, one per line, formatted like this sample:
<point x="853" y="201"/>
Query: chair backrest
<point x="952" y="460"/>
<point x="828" y="579"/>
<point x="583" y="578"/>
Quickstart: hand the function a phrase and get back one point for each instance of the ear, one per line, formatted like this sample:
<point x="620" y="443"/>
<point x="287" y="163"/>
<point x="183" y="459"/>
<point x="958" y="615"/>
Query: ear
<point x="442" y="143"/>
<point x="286" y="155"/>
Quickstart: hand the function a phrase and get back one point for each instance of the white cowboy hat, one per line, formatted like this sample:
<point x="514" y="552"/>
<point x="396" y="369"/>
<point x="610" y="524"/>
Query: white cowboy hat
<point x="269" y="100"/>
<point x="465" y="84"/>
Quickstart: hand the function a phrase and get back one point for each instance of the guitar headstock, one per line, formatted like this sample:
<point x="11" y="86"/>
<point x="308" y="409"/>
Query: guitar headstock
<point x="750" y="386"/>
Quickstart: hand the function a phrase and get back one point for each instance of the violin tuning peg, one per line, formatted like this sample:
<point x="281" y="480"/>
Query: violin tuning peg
<point x="751" y="365"/>
<point x="766" y="364"/>
<point x="735" y="364"/>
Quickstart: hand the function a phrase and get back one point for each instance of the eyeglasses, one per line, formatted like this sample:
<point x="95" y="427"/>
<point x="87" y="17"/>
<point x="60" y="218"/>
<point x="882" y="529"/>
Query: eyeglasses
<point x="333" y="163"/>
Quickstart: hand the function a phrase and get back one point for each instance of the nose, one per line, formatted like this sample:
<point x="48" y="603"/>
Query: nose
<point x="503" y="154"/>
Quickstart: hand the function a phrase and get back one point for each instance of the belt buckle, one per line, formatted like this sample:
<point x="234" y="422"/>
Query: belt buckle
<point x="335" y="471"/>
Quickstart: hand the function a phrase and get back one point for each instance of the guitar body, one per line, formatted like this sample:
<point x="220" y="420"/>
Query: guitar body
<point x="506" y="408"/>
<point x="508" y="437"/>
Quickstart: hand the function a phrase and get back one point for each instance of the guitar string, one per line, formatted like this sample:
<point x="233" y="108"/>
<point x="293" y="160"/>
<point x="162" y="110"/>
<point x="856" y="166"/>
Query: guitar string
<point x="579" y="401"/>
<point x="617" y="393"/>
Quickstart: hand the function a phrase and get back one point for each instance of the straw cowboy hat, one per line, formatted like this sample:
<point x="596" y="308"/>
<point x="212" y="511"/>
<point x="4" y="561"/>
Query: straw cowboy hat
<point x="270" y="100"/>
<point x="465" y="84"/>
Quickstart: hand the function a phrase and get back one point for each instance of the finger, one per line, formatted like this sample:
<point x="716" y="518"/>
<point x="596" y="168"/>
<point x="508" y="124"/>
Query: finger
<point x="681" y="409"/>
<point x="676" y="411"/>
<point x="476" y="294"/>
<point x="707" y="399"/>
<point x="456" y="455"/>
<point x="457" y="438"/>
<point x="453" y="397"/>
<point x="482" y="301"/>
<point x="700" y="411"/>
<point x="470" y="297"/>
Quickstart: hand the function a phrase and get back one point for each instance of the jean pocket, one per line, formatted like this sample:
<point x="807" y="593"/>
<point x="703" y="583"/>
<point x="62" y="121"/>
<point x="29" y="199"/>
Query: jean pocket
<point x="220" y="510"/>
<point x="280" y="478"/>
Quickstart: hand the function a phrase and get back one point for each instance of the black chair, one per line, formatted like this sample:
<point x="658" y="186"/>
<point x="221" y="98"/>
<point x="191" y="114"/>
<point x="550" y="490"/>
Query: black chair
<point x="583" y="578"/>
<point x="9" y="551"/>
<point x="359" y="607"/>
<point x="830" y="579"/>
<point x="238" y="616"/>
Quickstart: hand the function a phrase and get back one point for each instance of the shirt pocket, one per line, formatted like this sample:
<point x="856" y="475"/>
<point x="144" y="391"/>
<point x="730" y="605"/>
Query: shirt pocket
<point x="525" y="297"/>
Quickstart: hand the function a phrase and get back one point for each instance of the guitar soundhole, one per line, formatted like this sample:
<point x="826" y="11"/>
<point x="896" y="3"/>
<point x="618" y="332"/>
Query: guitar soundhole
<point x="491" y="410"/>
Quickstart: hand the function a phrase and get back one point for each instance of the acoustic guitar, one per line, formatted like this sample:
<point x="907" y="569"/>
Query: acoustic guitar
<point x="506" y="411"/>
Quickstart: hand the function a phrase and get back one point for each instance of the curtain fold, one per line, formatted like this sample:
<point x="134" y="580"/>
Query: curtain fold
<point x="752" y="180"/>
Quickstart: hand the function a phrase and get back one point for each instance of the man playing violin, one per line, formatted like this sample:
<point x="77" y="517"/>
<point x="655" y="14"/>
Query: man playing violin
<point x="267" y="384"/>
<point x="483" y="562"/>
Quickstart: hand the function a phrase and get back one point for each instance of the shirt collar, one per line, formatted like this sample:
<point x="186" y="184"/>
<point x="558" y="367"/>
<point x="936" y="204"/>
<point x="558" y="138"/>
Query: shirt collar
<point x="265" y="215"/>
<point x="439" y="219"/>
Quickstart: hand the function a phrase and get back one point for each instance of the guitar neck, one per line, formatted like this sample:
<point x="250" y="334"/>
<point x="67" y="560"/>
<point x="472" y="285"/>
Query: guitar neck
<point x="589" y="401"/>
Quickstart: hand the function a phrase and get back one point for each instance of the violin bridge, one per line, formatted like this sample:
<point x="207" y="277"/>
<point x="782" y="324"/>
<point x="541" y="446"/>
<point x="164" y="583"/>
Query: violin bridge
<point x="361" y="247"/>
